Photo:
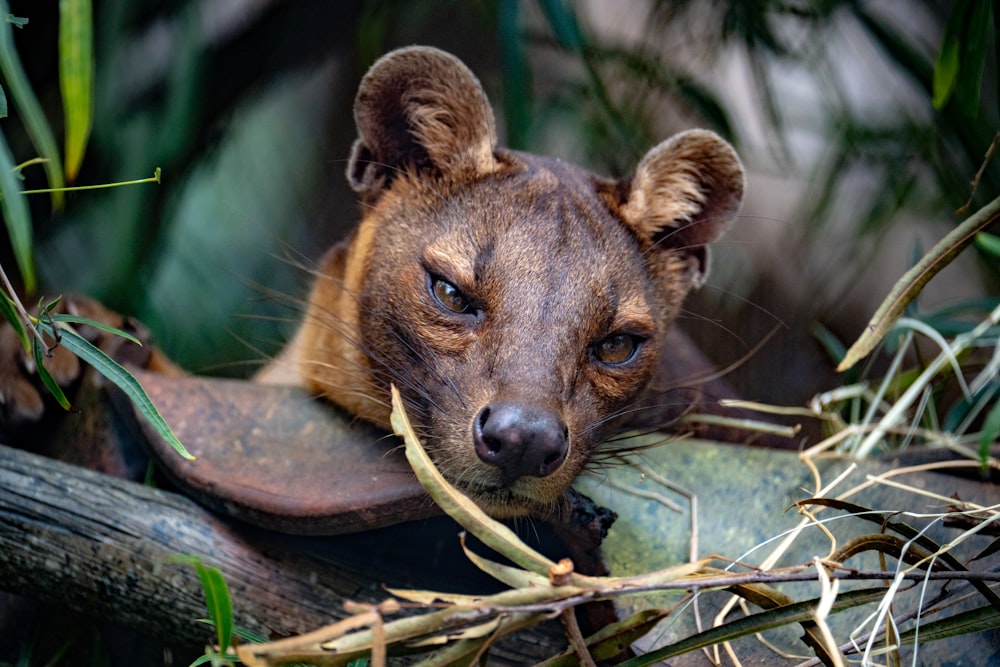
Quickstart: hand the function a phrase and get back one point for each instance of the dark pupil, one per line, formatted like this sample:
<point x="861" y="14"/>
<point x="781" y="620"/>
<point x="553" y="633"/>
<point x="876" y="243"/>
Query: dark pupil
<point x="450" y="297"/>
<point x="616" y="349"/>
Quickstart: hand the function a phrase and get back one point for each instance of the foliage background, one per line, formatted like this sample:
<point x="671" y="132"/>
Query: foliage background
<point x="245" y="105"/>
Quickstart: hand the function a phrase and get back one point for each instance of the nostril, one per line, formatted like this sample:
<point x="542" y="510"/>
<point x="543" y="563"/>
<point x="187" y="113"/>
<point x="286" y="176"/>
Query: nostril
<point x="520" y="440"/>
<point x="484" y="416"/>
<point x="488" y="446"/>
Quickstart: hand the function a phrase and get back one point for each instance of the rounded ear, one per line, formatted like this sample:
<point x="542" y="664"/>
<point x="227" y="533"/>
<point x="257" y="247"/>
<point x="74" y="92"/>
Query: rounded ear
<point x="685" y="191"/>
<point x="421" y="108"/>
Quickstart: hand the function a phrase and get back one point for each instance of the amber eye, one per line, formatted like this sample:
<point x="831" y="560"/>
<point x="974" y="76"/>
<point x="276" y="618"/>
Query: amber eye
<point x="617" y="348"/>
<point x="449" y="296"/>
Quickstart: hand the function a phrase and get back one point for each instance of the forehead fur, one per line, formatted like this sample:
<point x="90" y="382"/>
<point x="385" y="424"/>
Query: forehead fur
<point x="541" y="225"/>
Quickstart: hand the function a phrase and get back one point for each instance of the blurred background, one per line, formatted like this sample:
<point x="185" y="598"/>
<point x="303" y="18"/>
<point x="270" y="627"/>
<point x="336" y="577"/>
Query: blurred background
<point x="245" y="106"/>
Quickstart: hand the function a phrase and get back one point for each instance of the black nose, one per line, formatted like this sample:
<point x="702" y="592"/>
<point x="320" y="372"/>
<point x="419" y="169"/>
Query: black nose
<point x="520" y="440"/>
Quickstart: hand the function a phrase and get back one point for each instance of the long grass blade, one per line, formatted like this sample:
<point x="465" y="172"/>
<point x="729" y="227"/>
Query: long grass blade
<point x="219" y="603"/>
<point x="754" y="623"/>
<point x="28" y="106"/>
<point x="16" y="216"/>
<point x="990" y="432"/>
<point x="963" y="623"/>
<point x="946" y="67"/>
<point x="76" y="78"/>
<point x="9" y="312"/>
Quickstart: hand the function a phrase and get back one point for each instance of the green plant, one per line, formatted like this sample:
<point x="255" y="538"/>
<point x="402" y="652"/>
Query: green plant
<point x="76" y="57"/>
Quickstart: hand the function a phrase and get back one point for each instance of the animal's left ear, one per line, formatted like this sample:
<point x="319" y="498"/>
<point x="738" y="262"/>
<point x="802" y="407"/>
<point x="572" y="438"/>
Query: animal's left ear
<point x="685" y="193"/>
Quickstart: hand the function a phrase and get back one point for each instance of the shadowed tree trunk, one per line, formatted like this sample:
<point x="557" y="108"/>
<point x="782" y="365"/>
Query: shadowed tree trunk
<point x="108" y="546"/>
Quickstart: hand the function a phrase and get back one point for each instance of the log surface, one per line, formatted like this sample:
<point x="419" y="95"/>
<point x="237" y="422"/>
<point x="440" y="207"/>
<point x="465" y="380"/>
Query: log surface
<point x="104" y="545"/>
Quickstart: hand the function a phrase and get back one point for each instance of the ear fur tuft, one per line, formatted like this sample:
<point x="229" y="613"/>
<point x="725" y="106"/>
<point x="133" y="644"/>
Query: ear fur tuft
<point x="686" y="191"/>
<point x="420" y="107"/>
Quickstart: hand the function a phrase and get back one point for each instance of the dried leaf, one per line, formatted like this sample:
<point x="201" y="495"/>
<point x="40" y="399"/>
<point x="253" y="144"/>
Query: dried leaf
<point x="471" y="632"/>
<point x="746" y="626"/>
<point x="963" y="623"/>
<point x="514" y="577"/>
<point x="612" y="639"/>
<point x="908" y="287"/>
<point x="492" y="533"/>
<point x="915" y="537"/>
<point x="434" y="597"/>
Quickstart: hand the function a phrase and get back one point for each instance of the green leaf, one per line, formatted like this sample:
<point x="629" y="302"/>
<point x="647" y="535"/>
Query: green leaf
<point x="9" y="311"/>
<point x="29" y="108"/>
<point x="249" y="635"/>
<point x="517" y="90"/>
<point x="949" y="57"/>
<point x="219" y="603"/>
<point x="46" y="377"/>
<point x="75" y="319"/>
<point x="990" y="432"/>
<point x="76" y="78"/>
<point x="562" y="21"/>
<point x="945" y="71"/>
<point x="912" y="282"/>
<point x="124" y="380"/>
<point x="16" y="216"/>
<point x="988" y="243"/>
<point x="202" y="660"/>
<point x="973" y="57"/>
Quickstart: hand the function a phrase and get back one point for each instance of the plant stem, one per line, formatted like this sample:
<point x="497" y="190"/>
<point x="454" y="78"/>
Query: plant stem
<point x="25" y="317"/>
<point x="155" y="178"/>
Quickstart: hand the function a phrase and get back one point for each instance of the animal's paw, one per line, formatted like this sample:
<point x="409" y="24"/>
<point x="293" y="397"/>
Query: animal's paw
<point x="23" y="397"/>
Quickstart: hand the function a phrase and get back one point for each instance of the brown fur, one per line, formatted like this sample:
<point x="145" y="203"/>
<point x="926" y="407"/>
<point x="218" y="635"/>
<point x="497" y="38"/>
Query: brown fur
<point x="552" y="260"/>
<point x="558" y="286"/>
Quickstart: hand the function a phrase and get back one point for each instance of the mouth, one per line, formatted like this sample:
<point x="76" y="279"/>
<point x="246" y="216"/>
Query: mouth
<point x="503" y="501"/>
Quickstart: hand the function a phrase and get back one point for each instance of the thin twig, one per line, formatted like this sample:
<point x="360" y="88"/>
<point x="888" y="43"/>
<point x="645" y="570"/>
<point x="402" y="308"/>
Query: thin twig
<point x="576" y="639"/>
<point x="25" y="317"/>
<point x="979" y="174"/>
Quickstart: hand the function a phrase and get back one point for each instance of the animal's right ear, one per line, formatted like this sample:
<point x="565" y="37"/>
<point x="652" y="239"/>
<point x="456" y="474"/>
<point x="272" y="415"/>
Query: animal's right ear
<point x="420" y="108"/>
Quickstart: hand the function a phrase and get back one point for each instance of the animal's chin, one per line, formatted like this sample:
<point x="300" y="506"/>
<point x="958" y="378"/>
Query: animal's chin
<point x="507" y="502"/>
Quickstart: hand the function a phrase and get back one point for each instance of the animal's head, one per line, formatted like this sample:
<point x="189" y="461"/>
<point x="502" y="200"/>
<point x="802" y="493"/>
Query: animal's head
<point x="519" y="303"/>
